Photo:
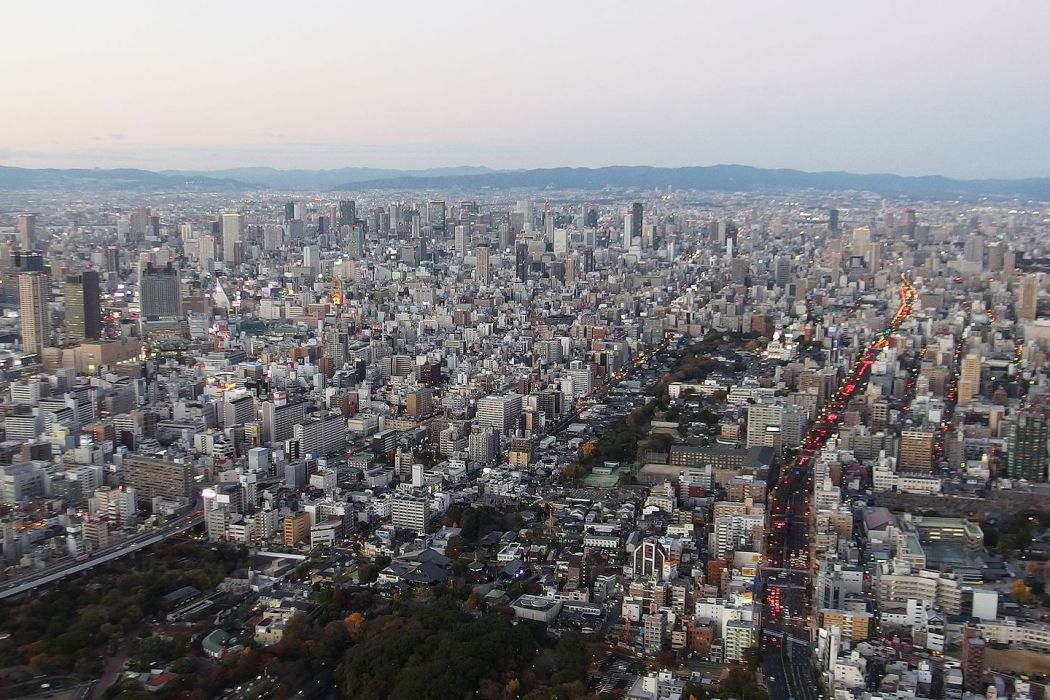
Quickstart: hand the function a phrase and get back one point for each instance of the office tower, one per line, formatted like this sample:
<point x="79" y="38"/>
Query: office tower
<point x="521" y="261"/>
<point x="1026" y="445"/>
<point x="833" y="220"/>
<point x="83" y="306"/>
<point x="916" y="450"/>
<point x="22" y="261"/>
<point x="635" y="231"/>
<point x="969" y="378"/>
<point x="500" y="412"/>
<point x="482" y="271"/>
<point x="347" y="213"/>
<point x="312" y="258"/>
<point x="436" y="215"/>
<point x="159" y="291"/>
<point x="289" y="211"/>
<point x="25" y="230"/>
<point x="273" y="236"/>
<point x="8" y="281"/>
<point x="782" y="271"/>
<point x="112" y="258"/>
<point x="461" y="240"/>
<point x="561" y="241"/>
<point x="232" y="226"/>
<point x="1028" y="304"/>
<point x="206" y="252"/>
<point x="34" y="292"/>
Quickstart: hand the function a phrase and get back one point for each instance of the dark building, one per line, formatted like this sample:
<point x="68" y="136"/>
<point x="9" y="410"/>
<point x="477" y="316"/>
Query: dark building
<point x="521" y="261"/>
<point x="347" y="213"/>
<point x="833" y="219"/>
<point x="27" y="261"/>
<point x="289" y="211"/>
<point x="112" y="258"/>
<point x="636" y="222"/>
<point x="1026" y="444"/>
<point x="83" y="306"/>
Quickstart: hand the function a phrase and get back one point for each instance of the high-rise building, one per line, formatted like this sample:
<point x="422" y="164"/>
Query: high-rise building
<point x="833" y="220"/>
<point x="973" y="659"/>
<point x="500" y="412"/>
<point x="279" y="419"/>
<point x="232" y="226"/>
<point x="159" y="291"/>
<point x="483" y="445"/>
<point x="916" y="450"/>
<point x="482" y="271"/>
<point x="157" y="477"/>
<point x="460" y="233"/>
<point x="112" y="258"/>
<point x="347" y="214"/>
<point x="1028" y="303"/>
<point x="635" y="230"/>
<point x="83" y="306"/>
<point x="34" y="292"/>
<point x="25" y="230"/>
<point x="521" y="261"/>
<point x="782" y="271"/>
<point x="1026" y="445"/>
<point x="436" y="215"/>
<point x="561" y="241"/>
<point x="969" y="378"/>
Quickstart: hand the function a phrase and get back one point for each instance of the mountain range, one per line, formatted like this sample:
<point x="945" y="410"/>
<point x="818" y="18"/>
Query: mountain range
<point x="724" y="178"/>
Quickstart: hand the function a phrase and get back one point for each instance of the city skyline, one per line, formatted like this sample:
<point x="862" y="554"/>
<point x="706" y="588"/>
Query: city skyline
<point x="898" y="89"/>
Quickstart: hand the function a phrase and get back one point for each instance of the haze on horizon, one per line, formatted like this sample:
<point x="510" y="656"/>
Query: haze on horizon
<point x="954" y="88"/>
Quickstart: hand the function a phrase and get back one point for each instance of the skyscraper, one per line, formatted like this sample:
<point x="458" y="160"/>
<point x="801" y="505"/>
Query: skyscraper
<point x="636" y="224"/>
<point x="83" y="306"/>
<point x="347" y="214"/>
<point x="482" y="272"/>
<point x="461" y="240"/>
<point x="1028" y="304"/>
<point x="112" y="258"/>
<point x="159" y="291"/>
<point x="521" y="261"/>
<point x="1026" y="445"/>
<point x="25" y="228"/>
<point x="436" y="215"/>
<point x="34" y="316"/>
<point x="232" y="225"/>
<point x="969" y="378"/>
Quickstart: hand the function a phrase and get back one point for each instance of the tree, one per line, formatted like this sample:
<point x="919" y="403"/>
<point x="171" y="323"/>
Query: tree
<point x="1020" y="592"/>
<point x="753" y="658"/>
<point x="355" y="625"/>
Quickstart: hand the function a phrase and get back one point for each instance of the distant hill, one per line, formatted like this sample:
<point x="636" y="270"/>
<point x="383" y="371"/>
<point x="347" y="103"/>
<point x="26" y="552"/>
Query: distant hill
<point x="323" y="179"/>
<point x="723" y="178"/>
<point x="97" y="179"/>
<point x="726" y="178"/>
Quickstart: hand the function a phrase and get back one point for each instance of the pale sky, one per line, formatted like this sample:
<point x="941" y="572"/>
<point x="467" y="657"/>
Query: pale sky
<point x="955" y="87"/>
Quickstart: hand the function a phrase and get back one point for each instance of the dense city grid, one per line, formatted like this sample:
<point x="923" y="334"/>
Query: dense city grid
<point x="650" y="444"/>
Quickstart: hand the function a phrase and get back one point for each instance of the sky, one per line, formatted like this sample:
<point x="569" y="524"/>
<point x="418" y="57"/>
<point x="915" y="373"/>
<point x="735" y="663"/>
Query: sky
<point x="953" y="87"/>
